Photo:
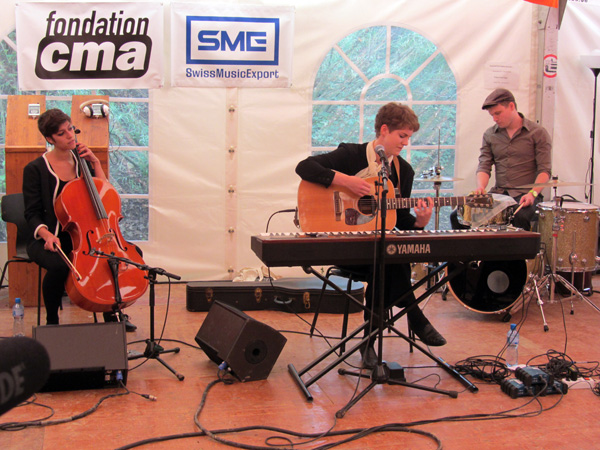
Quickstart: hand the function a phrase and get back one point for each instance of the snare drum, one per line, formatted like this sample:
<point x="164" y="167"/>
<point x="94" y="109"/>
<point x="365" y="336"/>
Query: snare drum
<point x="576" y="227"/>
<point x="499" y="214"/>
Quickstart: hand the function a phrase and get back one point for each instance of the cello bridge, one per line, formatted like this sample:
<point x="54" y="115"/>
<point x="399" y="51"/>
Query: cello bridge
<point x="108" y="237"/>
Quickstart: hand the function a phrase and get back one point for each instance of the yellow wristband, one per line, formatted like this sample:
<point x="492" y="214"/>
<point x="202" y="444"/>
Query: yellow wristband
<point x="534" y="193"/>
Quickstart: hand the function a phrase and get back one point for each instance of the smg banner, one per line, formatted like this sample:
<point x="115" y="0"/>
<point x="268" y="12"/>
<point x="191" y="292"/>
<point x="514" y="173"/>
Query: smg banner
<point x="89" y="45"/>
<point x="231" y="45"/>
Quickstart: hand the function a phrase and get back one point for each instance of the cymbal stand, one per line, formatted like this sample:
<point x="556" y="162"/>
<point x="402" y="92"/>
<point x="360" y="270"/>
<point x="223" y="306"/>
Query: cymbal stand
<point x="572" y="260"/>
<point x="437" y="184"/>
<point x="436" y="187"/>
<point x="437" y="170"/>
<point x="535" y="280"/>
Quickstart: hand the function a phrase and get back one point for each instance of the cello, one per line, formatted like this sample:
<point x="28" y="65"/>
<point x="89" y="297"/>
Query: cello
<point x="101" y="279"/>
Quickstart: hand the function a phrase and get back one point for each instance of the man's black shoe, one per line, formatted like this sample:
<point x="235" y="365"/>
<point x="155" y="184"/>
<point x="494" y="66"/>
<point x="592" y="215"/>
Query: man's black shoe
<point x="429" y="335"/>
<point x="369" y="357"/>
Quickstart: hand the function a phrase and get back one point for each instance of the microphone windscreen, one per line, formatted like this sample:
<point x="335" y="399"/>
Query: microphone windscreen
<point x="24" y="369"/>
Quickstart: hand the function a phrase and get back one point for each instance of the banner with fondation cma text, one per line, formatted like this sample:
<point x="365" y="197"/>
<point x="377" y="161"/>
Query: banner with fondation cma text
<point x="231" y="45"/>
<point x="89" y="45"/>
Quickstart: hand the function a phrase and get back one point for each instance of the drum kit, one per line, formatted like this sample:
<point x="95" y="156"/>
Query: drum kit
<point x="569" y="242"/>
<point x="569" y="235"/>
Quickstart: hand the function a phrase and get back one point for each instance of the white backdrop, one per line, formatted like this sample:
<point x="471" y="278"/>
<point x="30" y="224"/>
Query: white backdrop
<point x="190" y="162"/>
<point x="579" y="35"/>
<point x="191" y="129"/>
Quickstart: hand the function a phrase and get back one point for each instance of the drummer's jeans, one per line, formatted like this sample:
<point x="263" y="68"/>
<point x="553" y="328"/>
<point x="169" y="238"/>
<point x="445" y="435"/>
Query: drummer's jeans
<point x="522" y="219"/>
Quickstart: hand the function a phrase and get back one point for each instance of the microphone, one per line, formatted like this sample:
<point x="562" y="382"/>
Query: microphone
<point x="384" y="161"/>
<point x="24" y="370"/>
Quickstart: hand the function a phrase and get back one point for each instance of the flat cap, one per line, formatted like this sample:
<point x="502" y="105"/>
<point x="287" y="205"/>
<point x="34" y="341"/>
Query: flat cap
<point x="498" y="96"/>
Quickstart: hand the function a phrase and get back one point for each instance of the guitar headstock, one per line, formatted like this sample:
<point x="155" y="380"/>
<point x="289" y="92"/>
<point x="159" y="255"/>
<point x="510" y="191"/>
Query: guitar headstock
<point x="480" y="200"/>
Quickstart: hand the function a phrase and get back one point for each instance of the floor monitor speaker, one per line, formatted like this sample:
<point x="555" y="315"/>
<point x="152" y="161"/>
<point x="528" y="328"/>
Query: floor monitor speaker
<point x="84" y="356"/>
<point x="250" y="348"/>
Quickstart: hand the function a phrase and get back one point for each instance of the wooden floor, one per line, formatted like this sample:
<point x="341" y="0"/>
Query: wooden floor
<point x="488" y="419"/>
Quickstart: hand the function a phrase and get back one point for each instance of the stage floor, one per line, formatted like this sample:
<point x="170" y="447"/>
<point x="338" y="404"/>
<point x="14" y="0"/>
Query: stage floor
<point x="550" y="422"/>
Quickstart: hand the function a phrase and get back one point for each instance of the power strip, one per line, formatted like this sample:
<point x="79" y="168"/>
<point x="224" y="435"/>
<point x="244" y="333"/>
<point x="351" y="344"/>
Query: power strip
<point x="581" y="383"/>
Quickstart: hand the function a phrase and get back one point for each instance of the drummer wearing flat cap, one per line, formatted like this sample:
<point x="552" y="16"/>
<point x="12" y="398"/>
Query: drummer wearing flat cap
<point x="520" y="151"/>
<point x="497" y="97"/>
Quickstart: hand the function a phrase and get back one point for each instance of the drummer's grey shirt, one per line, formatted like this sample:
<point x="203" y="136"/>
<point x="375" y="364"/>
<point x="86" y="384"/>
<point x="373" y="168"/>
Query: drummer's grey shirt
<point x="518" y="160"/>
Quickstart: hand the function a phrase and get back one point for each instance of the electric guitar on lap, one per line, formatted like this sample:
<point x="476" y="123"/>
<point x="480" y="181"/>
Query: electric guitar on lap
<point x="322" y="209"/>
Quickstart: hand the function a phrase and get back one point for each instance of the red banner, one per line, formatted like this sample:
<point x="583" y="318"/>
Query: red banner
<point x="551" y="3"/>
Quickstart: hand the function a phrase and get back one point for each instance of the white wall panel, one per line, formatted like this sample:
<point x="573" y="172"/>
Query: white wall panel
<point x="188" y="156"/>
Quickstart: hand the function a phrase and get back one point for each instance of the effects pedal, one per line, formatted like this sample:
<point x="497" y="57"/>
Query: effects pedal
<point x="531" y="376"/>
<point x="516" y="388"/>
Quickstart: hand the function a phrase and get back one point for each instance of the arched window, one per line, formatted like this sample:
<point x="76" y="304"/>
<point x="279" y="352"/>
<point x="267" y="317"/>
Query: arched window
<point x="372" y="67"/>
<point x="128" y="140"/>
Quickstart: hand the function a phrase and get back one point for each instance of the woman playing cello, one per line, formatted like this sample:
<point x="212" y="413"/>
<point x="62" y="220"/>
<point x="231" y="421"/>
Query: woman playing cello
<point x="43" y="180"/>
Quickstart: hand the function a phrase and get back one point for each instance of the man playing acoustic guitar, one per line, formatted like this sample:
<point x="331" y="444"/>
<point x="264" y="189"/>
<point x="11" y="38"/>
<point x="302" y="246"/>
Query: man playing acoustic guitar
<point x="348" y="166"/>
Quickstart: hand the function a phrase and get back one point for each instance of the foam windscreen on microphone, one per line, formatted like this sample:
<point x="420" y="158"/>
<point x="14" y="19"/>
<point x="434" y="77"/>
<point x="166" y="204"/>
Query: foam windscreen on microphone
<point x="24" y="369"/>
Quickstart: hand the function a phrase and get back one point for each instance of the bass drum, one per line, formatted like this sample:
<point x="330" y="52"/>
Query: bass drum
<point x="489" y="286"/>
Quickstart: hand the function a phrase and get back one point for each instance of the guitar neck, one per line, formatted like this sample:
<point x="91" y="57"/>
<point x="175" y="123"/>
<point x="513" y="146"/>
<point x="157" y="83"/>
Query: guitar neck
<point x="405" y="203"/>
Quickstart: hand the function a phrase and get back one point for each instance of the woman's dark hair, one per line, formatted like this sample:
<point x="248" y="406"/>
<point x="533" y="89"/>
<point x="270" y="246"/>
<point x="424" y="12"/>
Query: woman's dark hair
<point x="50" y="121"/>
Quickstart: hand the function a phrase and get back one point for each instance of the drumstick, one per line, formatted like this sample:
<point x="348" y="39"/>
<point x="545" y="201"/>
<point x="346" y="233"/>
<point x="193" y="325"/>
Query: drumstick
<point x="515" y="213"/>
<point x="67" y="261"/>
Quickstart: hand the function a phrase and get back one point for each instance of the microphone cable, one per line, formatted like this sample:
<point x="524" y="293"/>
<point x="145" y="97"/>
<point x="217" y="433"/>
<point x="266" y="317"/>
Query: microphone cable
<point x="18" y="426"/>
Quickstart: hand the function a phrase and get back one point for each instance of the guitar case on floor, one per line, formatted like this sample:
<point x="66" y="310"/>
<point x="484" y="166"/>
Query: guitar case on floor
<point x="294" y="295"/>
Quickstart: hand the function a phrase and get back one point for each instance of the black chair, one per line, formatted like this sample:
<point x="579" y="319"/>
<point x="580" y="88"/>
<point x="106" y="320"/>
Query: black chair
<point x="352" y="277"/>
<point x="13" y="211"/>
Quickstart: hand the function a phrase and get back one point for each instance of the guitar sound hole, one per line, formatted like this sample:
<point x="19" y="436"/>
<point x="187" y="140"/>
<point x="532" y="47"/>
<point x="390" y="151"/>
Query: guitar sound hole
<point x="367" y="205"/>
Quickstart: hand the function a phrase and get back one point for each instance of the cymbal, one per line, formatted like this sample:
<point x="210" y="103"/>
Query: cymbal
<point x="554" y="183"/>
<point x="438" y="179"/>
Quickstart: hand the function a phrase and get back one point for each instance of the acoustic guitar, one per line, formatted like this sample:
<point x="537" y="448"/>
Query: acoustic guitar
<point x="322" y="209"/>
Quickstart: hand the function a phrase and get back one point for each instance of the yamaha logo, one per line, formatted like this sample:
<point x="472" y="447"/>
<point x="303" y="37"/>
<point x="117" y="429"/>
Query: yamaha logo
<point x="391" y="249"/>
<point x="408" y="249"/>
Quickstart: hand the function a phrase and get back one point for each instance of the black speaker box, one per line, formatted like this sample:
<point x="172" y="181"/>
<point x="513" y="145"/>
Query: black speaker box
<point x="250" y="348"/>
<point x="84" y="356"/>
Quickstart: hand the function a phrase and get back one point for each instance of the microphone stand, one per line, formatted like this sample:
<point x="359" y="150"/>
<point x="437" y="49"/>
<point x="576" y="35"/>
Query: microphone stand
<point x="153" y="349"/>
<point x="382" y="373"/>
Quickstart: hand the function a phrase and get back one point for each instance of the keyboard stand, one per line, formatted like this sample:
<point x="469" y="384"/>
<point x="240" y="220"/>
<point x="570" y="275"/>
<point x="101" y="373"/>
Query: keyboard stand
<point x="304" y="385"/>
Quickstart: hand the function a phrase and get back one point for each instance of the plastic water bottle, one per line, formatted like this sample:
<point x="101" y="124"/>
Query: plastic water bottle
<point x="511" y="354"/>
<point x="18" y="313"/>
